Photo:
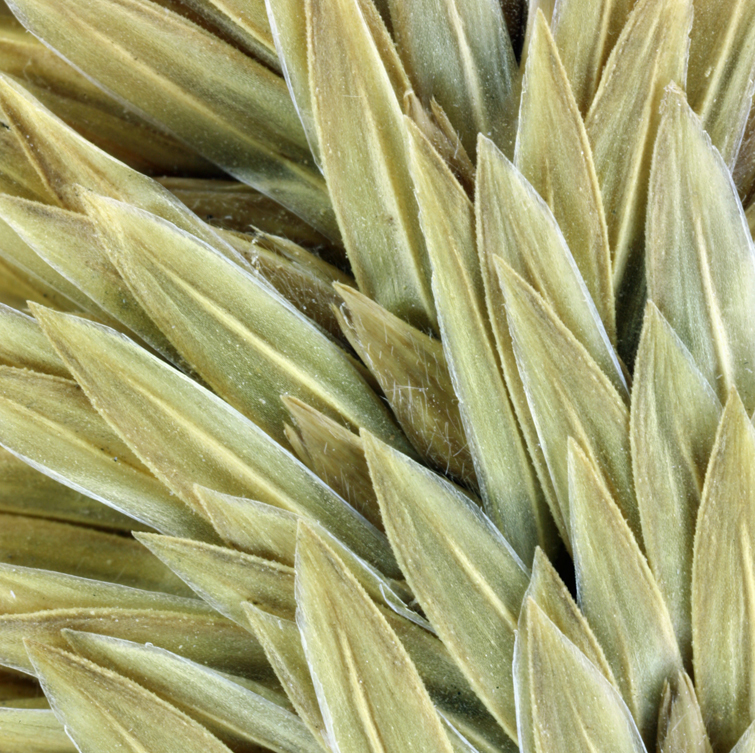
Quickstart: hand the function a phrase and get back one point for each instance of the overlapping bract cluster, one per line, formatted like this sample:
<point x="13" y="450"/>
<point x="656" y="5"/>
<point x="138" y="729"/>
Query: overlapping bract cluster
<point x="308" y="461"/>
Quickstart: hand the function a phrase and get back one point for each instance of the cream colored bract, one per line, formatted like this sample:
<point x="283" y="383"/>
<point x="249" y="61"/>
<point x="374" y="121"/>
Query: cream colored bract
<point x="377" y="376"/>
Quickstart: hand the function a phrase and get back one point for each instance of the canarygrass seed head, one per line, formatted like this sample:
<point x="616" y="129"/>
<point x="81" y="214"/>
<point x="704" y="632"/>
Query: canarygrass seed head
<point x="377" y="376"/>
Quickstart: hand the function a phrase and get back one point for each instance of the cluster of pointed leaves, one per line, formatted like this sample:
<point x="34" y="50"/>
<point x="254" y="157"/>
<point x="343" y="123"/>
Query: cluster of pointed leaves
<point x="377" y="376"/>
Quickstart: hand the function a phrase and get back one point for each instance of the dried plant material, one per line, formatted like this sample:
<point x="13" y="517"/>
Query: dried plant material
<point x="674" y="417"/>
<point x="48" y="422"/>
<point x="251" y="526"/>
<point x="70" y="243"/>
<point x="746" y="743"/>
<point x="460" y="54"/>
<point x="446" y="546"/>
<point x="449" y="689"/>
<point x="439" y="131"/>
<point x="701" y="257"/>
<point x="236" y="715"/>
<point x="257" y="134"/>
<point x="531" y="243"/>
<point x="90" y="111"/>
<point x="411" y="369"/>
<point x="242" y="338"/>
<point x="188" y="436"/>
<point x="17" y="287"/>
<point x="252" y="241"/>
<point x="585" y="32"/>
<point x="507" y="481"/>
<point x="282" y="643"/>
<point x="102" y="710"/>
<point x="234" y="206"/>
<point x="574" y="706"/>
<point x="546" y="7"/>
<point x="722" y="581"/>
<point x="298" y="275"/>
<point x="336" y="455"/>
<point x="681" y="728"/>
<point x="569" y="396"/>
<point x="253" y="345"/>
<point x="743" y="171"/>
<point x="721" y="72"/>
<point x="25" y="589"/>
<point x="225" y="578"/>
<point x="369" y="690"/>
<point x="288" y="27"/>
<point x="245" y="23"/>
<point x="33" y="731"/>
<point x="484" y="213"/>
<point x="619" y="595"/>
<point x="23" y="345"/>
<point x="18" y="686"/>
<point x="26" y="491"/>
<point x="88" y="553"/>
<point x="204" y="636"/>
<point x="23" y="257"/>
<point x="547" y="590"/>
<point x="58" y="160"/>
<point x="554" y="155"/>
<point x="357" y="85"/>
<point x="271" y="529"/>
<point x="323" y="263"/>
<point x="621" y="124"/>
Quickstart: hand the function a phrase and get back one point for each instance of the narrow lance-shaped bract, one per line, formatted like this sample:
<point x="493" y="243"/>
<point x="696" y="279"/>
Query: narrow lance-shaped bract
<point x="700" y="255"/>
<point x="505" y="475"/>
<point x="357" y="87"/>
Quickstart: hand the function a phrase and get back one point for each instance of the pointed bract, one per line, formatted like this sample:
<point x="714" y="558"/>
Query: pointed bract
<point x="194" y="437"/>
<point x="721" y="73"/>
<point x="24" y="346"/>
<point x="531" y="243"/>
<point x="681" y="728"/>
<point x="569" y="396"/>
<point x="412" y="371"/>
<point x="88" y="553"/>
<point x="585" y="32"/>
<point x="239" y="716"/>
<point x="554" y="155"/>
<point x="446" y="546"/>
<point x="619" y="596"/>
<point x="369" y="690"/>
<point x="591" y="715"/>
<point x="700" y="255"/>
<point x="506" y="479"/>
<point x="622" y="123"/>
<point x="61" y="434"/>
<point x="102" y="710"/>
<point x="282" y="642"/>
<point x="723" y="581"/>
<point x="257" y="135"/>
<point x="238" y="335"/>
<point x="204" y="636"/>
<point x="460" y="54"/>
<point x="362" y="139"/>
<point x="225" y="578"/>
<point x="674" y="417"/>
